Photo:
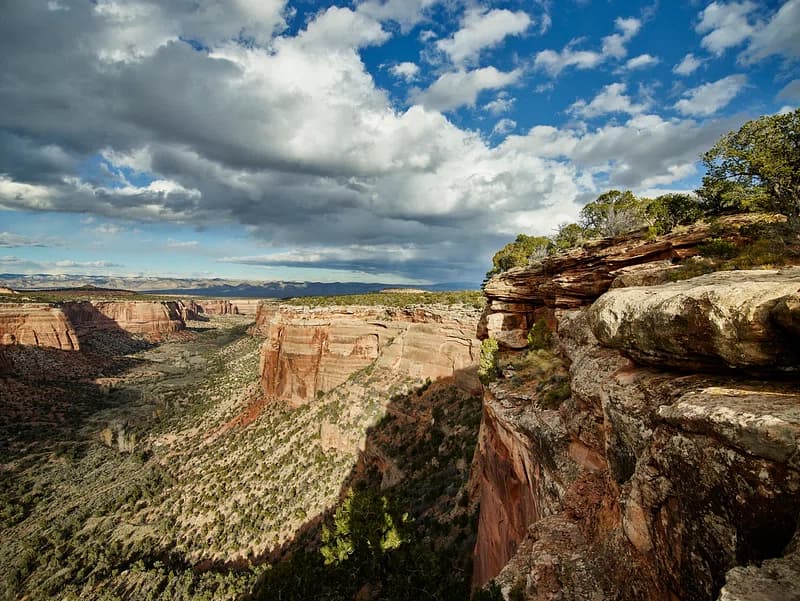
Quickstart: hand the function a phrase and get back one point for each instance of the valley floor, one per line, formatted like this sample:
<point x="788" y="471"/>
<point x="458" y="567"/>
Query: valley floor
<point x="136" y="471"/>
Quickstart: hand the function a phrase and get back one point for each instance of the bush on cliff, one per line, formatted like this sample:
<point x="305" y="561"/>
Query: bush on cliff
<point x="613" y="213"/>
<point x="521" y="252"/>
<point x="487" y="368"/>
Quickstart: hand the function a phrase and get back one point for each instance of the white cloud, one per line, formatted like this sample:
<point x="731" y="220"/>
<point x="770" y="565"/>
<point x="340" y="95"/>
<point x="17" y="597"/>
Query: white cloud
<point x="614" y="44"/>
<point x="791" y="91"/>
<point x="460" y="88"/>
<point x="107" y="229"/>
<point x="504" y="127"/>
<point x="482" y="29"/>
<point x="553" y="62"/>
<point x="300" y="148"/>
<point x="12" y="240"/>
<point x="405" y="12"/>
<point x="780" y="35"/>
<point x="85" y="264"/>
<point x="709" y="98"/>
<point x="642" y="61"/>
<point x="688" y="65"/>
<point x="502" y="104"/>
<point x="612" y="99"/>
<point x="342" y="28"/>
<point x="725" y="24"/>
<point x="405" y="70"/>
<point x="182" y="243"/>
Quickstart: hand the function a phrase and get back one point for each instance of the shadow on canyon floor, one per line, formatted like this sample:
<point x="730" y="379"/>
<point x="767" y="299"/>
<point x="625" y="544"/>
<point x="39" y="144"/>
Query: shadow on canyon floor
<point x="405" y="523"/>
<point x="47" y="395"/>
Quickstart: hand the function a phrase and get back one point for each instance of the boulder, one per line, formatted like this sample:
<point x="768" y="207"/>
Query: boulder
<point x="732" y="319"/>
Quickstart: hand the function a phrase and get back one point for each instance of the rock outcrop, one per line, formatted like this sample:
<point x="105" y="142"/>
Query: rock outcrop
<point x="216" y="307"/>
<point x="313" y="350"/>
<point x="37" y="324"/>
<point x="737" y="319"/>
<point x="576" y="278"/>
<point x="671" y="470"/>
<point x="67" y="325"/>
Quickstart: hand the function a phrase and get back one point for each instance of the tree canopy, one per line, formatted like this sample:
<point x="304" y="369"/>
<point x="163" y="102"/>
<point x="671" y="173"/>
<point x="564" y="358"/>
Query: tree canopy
<point x="756" y="167"/>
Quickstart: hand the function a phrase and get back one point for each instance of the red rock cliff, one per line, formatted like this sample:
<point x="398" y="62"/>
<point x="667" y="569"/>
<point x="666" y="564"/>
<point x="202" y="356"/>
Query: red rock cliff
<point x="37" y="324"/>
<point x="309" y="350"/>
<point x="669" y="469"/>
<point x="63" y="326"/>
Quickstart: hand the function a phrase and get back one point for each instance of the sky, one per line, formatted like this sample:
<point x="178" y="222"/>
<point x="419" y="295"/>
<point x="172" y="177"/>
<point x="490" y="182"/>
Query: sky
<point x="396" y="141"/>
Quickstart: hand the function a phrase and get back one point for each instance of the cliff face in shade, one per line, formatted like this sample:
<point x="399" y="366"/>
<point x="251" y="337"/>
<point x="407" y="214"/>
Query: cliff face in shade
<point x="146" y="318"/>
<point x="37" y="324"/>
<point x="670" y="470"/>
<point x="68" y="324"/>
<point x="308" y="350"/>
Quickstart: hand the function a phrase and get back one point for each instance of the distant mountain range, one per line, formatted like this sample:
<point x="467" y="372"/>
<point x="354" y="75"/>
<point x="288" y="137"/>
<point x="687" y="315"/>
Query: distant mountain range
<point x="209" y="287"/>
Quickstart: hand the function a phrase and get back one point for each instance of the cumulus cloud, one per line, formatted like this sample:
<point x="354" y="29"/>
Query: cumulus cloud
<point x="504" y="127"/>
<point x="643" y="61"/>
<point x="407" y="13"/>
<point x="791" y="91"/>
<point x="731" y="24"/>
<point x="613" y="47"/>
<point x="725" y="25"/>
<point x="711" y="97"/>
<point x="503" y="103"/>
<point x="290" y="138"/>
<point x="612" y="99"/>
<point x="405" y="70"/>
<point x="780" y="35"/>
<point x="482" y="29"/>
<point x="460" y="88"/>
<point x="688" y="65"/>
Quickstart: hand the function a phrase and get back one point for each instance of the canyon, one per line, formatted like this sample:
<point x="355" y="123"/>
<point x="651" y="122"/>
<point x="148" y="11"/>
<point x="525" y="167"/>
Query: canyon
<point x="643" y="445"/>
<point x="63" y="325"/>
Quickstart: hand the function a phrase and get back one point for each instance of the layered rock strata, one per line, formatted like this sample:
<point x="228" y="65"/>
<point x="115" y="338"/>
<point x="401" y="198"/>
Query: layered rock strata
<point x="66" y="325"/>
<point x="670" y="471"/>
<point x="37" y="324"/>
<point x="574" y="279"/>
<point x="312" y="350"/>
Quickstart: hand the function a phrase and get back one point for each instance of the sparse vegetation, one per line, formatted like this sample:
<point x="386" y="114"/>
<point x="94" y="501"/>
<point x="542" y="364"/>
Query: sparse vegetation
<point x="540" y="336"/>
<point x="487" y="368"/>
<point x="472" y="298"/>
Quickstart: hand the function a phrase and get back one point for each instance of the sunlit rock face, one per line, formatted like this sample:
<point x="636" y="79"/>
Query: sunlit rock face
<point x="64" y="326"/>
<point x="736" y="319"/>
<point x="671" y="471"/>
<point x="312" y="350"/>
<point x="37" y="324"/>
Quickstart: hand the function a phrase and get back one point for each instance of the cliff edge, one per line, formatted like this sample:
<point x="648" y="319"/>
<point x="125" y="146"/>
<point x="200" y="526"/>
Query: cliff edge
<point x="650" y="451"/>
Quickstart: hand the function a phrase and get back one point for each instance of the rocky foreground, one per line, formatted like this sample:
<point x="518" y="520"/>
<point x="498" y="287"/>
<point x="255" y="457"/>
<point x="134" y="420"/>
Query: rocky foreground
<point x="669" y="469"/>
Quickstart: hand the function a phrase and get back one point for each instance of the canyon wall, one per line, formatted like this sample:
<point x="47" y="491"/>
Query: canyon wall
<point x="66" y="325"/>
<point x="37" y="324"/>
<point x="312" y="350"/>
<point x="670" y="468"/>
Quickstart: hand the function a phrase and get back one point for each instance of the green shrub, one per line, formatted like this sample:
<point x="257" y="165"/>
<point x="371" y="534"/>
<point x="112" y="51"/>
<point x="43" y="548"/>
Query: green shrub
<point x="521" y="252"/>
<point x="491" y="592"/>
<point x="568" y="235"/>
<point x="718" y="248"/>
<point x="540" y="336"/>
<point x="487" y="368"/>
<point x="670" y="210"/>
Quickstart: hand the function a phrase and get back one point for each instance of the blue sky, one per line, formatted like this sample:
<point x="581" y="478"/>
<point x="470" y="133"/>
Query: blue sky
<point x="376" y="140"/>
